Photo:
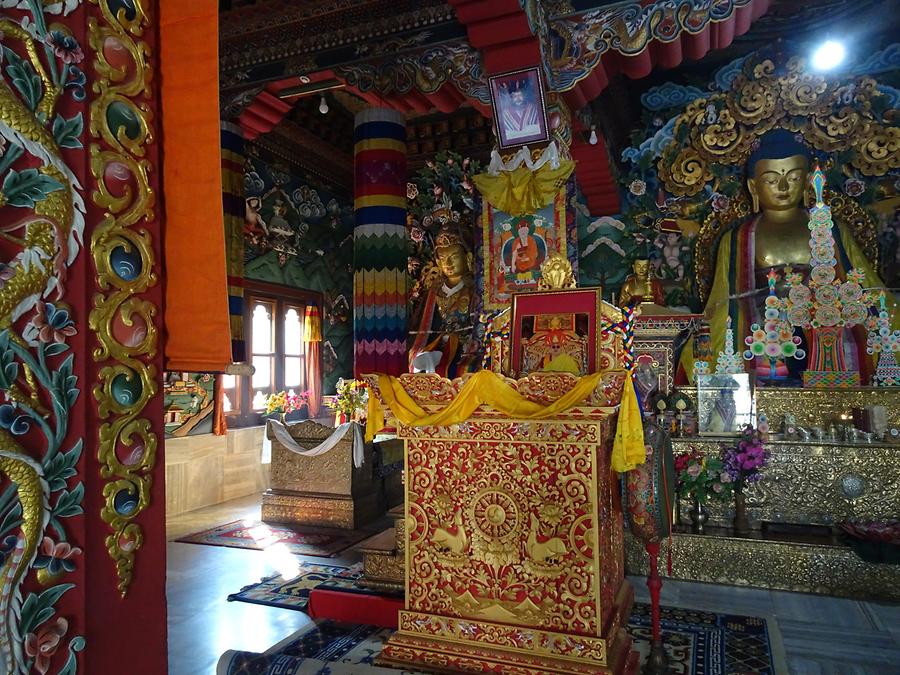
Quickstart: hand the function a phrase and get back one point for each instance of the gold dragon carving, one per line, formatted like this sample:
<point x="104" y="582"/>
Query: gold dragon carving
<point x="38" y="390"/>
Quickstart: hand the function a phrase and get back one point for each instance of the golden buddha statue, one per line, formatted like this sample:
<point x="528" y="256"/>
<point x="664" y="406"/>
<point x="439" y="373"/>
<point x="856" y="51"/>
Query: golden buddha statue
<point x="641" y="286"/>
<point x="776" y="236"/>
<point x="444" y="316"/>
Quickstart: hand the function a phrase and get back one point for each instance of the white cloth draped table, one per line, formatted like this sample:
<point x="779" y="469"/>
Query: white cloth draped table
<point x="284" y="437"/>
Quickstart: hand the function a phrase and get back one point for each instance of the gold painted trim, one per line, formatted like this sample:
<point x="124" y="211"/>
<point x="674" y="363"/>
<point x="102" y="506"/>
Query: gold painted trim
<point x="124" y="422"/>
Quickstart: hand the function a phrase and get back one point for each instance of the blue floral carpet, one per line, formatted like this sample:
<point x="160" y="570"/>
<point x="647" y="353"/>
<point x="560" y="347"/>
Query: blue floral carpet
<point x="698" y="643"/>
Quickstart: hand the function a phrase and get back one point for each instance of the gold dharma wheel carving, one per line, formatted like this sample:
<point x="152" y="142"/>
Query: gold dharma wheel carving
<point x="495" y="514"/>
<point x="581" y="536"/>
<point x="417" y="523"/>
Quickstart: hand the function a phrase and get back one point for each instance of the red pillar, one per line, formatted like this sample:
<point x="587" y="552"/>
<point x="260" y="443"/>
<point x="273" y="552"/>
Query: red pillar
<point x="81" y="470"/>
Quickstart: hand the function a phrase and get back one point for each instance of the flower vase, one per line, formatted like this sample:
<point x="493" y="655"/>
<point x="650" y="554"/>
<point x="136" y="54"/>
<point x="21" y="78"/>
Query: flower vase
<point x="741" y="522"/>
<point x="699" y="515"/>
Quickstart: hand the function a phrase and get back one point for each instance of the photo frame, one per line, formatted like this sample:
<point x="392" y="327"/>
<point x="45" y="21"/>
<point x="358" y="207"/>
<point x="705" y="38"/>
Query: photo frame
<point x="724" y="403"/>
<point x="555" y="331"/>
<point x="520" y="115"/>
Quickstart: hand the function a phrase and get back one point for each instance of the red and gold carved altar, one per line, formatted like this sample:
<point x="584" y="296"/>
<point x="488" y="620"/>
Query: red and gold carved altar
<point x="514" y="536"/>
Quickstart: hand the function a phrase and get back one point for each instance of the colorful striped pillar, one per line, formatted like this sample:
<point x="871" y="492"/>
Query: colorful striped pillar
<point x="233" y="207"/>
<point x="379" y="243"/>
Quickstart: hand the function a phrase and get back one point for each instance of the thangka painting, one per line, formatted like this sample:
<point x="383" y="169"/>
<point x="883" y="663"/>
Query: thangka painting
<point x="189" y="403"/>
<point x="514" y="247"/>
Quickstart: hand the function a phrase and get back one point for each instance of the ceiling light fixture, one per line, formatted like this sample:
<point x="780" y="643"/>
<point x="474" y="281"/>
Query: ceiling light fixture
<point x="830" y="54"/>
<point x="323" y="105"/>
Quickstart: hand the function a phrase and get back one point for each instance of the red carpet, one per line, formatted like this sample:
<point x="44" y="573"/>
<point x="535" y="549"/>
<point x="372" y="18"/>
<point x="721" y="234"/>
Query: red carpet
<point x="354" y="607"/>
<point x="299" y="539"/>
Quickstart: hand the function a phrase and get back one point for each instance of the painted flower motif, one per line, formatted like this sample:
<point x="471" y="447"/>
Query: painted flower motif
<point x="437" y="190"/>
<point x="465" y="163"/>
<point x="720" y="202"/>
<point x="694" y="470"/>
<point x="658" y="121"/>
<point x="412" y="191"/>
<point x="52" y="324"/>
<point x="65" y="47"/>
<point x="854" y="187"/>
<point x="467" y="185"/>
<point x="10" y="419"/>
<point x="450" y="161"/>
<point x="717" y="487"/>
<point x="56" y="558"/>
<point x="417" y="234"/>
<point x="637" y="187"/>
<point x="413" y="265"/>
<point x="8" y="546"/>
<point x="43" y="645"/>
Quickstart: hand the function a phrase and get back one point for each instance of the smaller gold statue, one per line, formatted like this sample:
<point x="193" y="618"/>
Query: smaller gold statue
<point x="641" y="287"/>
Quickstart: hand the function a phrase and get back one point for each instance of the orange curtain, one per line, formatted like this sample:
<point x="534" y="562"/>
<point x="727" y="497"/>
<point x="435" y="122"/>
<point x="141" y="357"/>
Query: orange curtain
<point x="312" y="335"/>
<point x="196" y="304"/>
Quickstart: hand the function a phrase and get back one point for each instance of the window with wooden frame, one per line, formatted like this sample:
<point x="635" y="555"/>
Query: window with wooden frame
<point x="273" y="326"/>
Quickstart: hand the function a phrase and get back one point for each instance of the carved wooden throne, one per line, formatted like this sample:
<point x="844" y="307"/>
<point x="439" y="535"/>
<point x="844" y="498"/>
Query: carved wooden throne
<point x="326" y="490"/>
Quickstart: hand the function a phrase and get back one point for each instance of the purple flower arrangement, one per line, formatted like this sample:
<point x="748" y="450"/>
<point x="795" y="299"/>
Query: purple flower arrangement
<point x="745" y="461"/>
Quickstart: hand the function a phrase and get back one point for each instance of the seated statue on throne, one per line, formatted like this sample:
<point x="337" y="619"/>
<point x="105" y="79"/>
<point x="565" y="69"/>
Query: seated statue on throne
<point x="442" y="340"/>
<point x="774" y="237"/>
<point x="554" y="345"/>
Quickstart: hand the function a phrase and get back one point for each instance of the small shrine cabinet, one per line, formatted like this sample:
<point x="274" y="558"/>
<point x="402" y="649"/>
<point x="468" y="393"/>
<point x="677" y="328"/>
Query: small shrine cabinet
<point x="326" y="490"/>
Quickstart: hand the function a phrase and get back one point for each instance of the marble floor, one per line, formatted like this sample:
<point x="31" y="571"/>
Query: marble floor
<point x="822" y="636"/>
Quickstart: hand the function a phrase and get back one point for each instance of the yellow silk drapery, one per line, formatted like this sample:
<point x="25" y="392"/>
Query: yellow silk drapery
<point x="522" y="190"/>
<point x="486" y="387"/>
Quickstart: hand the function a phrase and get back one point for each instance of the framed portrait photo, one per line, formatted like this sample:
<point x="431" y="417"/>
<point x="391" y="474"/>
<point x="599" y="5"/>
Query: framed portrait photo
<point x="724" y="403"/>
<point x="520" y="116"/>
<point x="555" y="331"/>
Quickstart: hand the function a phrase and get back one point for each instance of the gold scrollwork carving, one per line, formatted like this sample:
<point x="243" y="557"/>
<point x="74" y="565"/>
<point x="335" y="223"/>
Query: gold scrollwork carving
<point x="123" y="322"/>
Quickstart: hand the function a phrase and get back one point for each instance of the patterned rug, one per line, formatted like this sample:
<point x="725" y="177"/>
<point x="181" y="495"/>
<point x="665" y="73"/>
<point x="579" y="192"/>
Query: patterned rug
<point x="299" y="539"/>
<point x="698" y="643"/>
<point x="294" y="593"/>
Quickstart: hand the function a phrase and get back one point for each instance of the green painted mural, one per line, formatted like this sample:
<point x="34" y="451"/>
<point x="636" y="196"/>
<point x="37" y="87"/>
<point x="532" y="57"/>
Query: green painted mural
<point x="300" y="234"/>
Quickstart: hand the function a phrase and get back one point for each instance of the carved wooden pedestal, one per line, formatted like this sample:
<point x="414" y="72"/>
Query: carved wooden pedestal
<point x="326" y="490"/>
<point x="514" y="549"/>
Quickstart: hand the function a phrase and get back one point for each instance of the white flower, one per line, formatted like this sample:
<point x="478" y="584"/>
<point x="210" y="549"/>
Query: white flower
<point x="637" y="187"/>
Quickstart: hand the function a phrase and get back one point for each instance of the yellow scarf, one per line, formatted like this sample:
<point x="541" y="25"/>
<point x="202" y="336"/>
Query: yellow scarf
<point x="486" y="387"/>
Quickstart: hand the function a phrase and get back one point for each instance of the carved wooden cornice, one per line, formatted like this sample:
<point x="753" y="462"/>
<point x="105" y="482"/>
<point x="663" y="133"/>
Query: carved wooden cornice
<point x="352" y="28"/>
<point x="301" y="148"/>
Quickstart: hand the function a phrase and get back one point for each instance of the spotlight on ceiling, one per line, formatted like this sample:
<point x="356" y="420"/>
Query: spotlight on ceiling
<point x="829" y="54"/>
<point x="323" y="105"/>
